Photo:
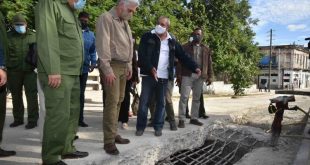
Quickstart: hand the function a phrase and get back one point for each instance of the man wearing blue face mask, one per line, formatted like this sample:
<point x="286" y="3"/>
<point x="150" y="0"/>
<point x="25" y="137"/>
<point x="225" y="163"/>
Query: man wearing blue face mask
<point x="60" y="52"/>
<point x="21" y="74"/>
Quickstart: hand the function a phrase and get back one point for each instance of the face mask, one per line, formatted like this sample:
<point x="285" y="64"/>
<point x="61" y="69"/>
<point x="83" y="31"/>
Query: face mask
<point x="20" y="29"/>
<point x="191" y="39"/>
<point x="79" y="4"/>
<point x="196" y="38"/>
<point x="126" y="15"/>
<point x="159" y="29"/>
<point x="84" y="25"/>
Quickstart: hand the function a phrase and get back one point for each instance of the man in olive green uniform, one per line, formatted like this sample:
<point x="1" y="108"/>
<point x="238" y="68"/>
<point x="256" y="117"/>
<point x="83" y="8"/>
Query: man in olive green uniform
<point x="21" y="74"/>
<point x="60" y="51"/>
<point x="3" y="78"/>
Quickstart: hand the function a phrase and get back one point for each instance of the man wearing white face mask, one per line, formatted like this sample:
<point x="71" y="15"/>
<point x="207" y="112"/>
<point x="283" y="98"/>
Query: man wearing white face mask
<point x="115" y="50"/>
<point x="21" y="74"/>
<point x="60" y="51"/>
<point x="157" y="53"/>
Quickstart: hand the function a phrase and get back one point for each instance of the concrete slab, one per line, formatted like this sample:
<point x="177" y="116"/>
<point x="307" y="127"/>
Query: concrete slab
<point x="303" y="155"/>
<point x="142" y="150"/>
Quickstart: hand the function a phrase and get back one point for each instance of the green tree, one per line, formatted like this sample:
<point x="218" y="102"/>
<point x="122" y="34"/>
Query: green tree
<point x="25" y="7"/>
<point x="231" y="38"/>
<point x="226" y="25"/>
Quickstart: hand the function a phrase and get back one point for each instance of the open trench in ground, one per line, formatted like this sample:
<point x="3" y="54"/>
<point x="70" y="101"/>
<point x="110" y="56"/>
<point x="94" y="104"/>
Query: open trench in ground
<point x="245" y="139"/>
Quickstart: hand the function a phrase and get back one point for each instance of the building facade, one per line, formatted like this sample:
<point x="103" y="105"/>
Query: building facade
<point x="290" y="67"/>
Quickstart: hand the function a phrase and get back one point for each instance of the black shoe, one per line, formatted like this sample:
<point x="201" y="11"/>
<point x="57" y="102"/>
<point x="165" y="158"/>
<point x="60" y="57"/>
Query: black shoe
<point x="57" y="163"/>
<point x="158" y="132"/>
<point x="181" y="124"/>
<point x="173" y="126"/>
<point x="167" y="119"/>
<point x="82" y="124"/>
<point x="188" y="116"/>
<point x="4" y="153"/>
<point x="195" y="122"/>
<point x="139" y="132"/>
<point x="204" y="116"/>
<point x="76" y="137"/>
<point x="31" y="125"/>
<point x="150" y="124"/>
<point x="75" y="155"/>
<point x="16" y="123"/>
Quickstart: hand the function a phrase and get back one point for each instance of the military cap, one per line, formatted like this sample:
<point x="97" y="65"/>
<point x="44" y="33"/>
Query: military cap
<point x="19" y="19"/>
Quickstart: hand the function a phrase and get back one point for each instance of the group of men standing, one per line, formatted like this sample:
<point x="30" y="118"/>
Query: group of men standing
<point x="61" y="49"/>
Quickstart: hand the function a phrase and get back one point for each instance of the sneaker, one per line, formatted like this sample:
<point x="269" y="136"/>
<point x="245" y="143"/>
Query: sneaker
<point x="158" y="132"/>
<point x="173" y="126"/>
<point x="125" y="126"/>
<point x="139" y="132"/>
<point x="16" y="123"/>
<point x="195" y="122"/>
<point x="181" y="124"/>
<point x="31" y="125"/>
<point x="111" y="149"/>
<point x="130" y="114"/>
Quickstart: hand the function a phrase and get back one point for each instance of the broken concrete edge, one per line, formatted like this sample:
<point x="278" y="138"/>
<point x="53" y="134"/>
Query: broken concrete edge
<point x="167" y="145"/>
<point x="303" y="155"/>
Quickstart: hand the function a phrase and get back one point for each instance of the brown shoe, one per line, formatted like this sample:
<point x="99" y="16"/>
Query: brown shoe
<point x="120" y="140"/>
<point x="111" y="149"/>
<point x="195" y="122"/>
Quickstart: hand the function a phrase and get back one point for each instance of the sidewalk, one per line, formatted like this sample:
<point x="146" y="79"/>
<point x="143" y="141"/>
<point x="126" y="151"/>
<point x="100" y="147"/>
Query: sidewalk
<point x="142" y="150"/>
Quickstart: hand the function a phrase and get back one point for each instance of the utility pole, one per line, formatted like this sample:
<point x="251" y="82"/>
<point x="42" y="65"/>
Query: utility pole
<point x="308" y="45"/>
<point x="279" y="68"/>
<point x="270" y="51"/>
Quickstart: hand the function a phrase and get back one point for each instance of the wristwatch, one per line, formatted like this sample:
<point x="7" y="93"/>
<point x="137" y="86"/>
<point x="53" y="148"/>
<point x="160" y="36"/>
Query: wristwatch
<point x="3" y="68"/>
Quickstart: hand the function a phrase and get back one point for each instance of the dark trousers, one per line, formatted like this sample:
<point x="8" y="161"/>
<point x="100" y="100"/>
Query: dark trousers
<point x="123" y="113"/>
<point x="202" y="110"/>
<point x="83" y="80"/>
<point x="170" y="117"/>
<point x="2" y="109"/>
<point x="16" y="82"/>
<point x="149" y="86"/>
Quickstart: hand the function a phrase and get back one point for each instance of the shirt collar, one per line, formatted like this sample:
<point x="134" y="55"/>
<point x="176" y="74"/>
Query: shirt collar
<point x="168" y="35"/>
<point x="113" y="13"/>
<point x="86" y="30"/>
